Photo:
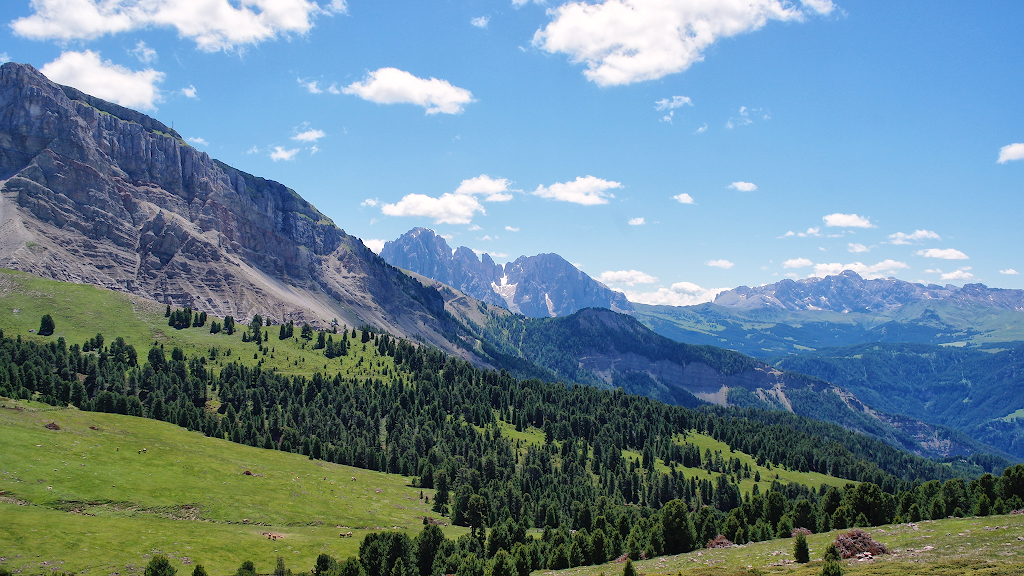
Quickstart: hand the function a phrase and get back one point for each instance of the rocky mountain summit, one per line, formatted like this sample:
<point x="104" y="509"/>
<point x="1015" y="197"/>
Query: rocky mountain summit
<point x="540" y="286"/>
<point x="95" y="193"/>
<point x="849" y="292"/>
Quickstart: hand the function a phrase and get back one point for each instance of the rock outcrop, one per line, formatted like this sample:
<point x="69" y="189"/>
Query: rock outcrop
<point x="95" y="193"/>
<point x="540" y="286"/>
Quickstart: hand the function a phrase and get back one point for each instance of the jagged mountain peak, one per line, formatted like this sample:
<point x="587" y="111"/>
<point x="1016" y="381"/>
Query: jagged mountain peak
<point x="539" y="286"/>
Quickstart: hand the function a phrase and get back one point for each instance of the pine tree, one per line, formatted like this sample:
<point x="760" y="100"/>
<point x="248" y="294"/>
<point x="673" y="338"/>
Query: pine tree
<point x="46" y="325"/>
<point x="801" y="552"/>
<point x="159" y="565"/>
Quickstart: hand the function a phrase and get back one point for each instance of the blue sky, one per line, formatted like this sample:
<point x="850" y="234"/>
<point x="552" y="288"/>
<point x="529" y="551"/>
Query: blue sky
<point x="668" y="147"/>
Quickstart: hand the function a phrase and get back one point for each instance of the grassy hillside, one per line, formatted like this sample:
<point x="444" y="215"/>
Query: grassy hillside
<point x="953" y="547"/>
<point x="81" y="311"/>
<point x="86" y="486"/>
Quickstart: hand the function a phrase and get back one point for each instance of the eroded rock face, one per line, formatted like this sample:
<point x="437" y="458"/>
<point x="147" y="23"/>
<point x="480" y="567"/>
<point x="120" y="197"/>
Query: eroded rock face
<point x="540" y="286"/>
<point x="96" y="193"/>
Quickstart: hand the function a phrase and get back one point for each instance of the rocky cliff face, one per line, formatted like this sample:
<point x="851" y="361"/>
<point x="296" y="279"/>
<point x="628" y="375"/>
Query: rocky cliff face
<point x="539" y="286"/>
<point x="849" y="292"/>
<point x="96" y="193"/>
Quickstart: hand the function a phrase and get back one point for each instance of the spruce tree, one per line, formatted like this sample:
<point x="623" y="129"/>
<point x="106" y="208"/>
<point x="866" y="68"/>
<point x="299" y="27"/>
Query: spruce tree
<point x="159" y="565"/>
<point x="801" y="552"/>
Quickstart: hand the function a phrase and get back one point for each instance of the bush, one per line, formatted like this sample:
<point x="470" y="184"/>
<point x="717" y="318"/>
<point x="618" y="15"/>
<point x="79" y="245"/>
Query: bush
<point x="857" y="542"/>
<point x="160" y="566"/>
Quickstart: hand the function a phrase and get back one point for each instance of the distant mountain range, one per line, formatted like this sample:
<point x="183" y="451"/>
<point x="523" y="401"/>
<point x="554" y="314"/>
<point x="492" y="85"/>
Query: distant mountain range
<point x="794" y="316"/>
<point x="540" y="286"/>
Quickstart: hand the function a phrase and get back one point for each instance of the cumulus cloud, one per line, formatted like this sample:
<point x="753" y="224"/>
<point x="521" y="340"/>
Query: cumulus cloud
<point x="857" y="248"/>
<point x="280" y="153"/>
<point x="1011" y="152"/>
<point x="189" y="92"/>
<point x="847" y="221"/>
<point x="873" y="271"/>
<point x="797" y="263"/>
<point x="310" y="135"/>
<point x="496" y="189"/>
<point x="961" y="274"/>
<point x="743" y="186"/>
<point x="511" y="229"/>
<point x="480" y="22"/>
<point x="1009" y="271"/>
<point x="915" y="236"/>
<point x="212" y="24"/>
<point x="626" y="41"/>
<point x="724" y="264"/>
<point x="447" y="209"/>
<point x="675" y="102"/>
<point x="4" y="58"/>
<point x="701" y="129"/>
<point x="104" y="79"/>
<point x="370" y="202"/>
<point x="374" y="244"/>
<point x="683" y="198"/>
<point x="394" y="86"/>
<point x="144" y="53"/>
<point x="943" y="253"/>
<point x="627" y="277"/>
<point x="639" y="221"/>
<point x="585" y="190"/>
<point x="457" y="207"/>
<point x="680" y="294"/>
<point x="198" y="140"/>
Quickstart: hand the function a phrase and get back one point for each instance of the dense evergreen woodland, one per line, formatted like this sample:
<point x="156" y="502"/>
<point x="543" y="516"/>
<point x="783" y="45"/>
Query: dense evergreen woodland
<point x="439" y="420"/>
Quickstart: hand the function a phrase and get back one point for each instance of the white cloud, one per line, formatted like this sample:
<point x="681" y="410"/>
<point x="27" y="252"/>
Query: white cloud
<point x="683" y="198"/>
<point x="675" y="102"/>
<point x="667" y="117"/>
<point x="212" y="24"/>
<point x="474" y="228"/>
<point x="254" y="150"/>
<point x="198" y="140"/>
<point x="497" y="189"/>
<point x="943" y="253"/>
<point x="394" y="86"/>
<point x="810" y="232"/>
<point x="702" y="129"/>
<point x="189" y="92"/>
<point x="374" y="244"/>
<point x="312" y="86"/>
<point x="586" y="190"/>
<point x="725" y="264"/>
<point x="627" y="277"/>
<point x="106" y="80"/>
<point x="511" y="229"/>
<point x="280" y="153"/>
<point x="447" y="209"/>
<point x="626" y="41"/>
<point x="743" y="186"/>
<point x="370" y="202"/>
<point x="847" y="221"/>
<point x="916" y="235"/>
<point x="857" y="248"/>
<point x="144" y="53"/>
<point x="4" y="58"/>
<point x="871" y="272"/>
<point x="961" y="274"/>
<point x="797" y="263"/>
<point x="680" y="294"/>
<point x="639" y="221"/>
<point x="1011" y="152"/>
<point x="1009" y="271"/>
<point x="488" y="238"/>
<point x="480" y="22"/>
<point x="310" y="135"/>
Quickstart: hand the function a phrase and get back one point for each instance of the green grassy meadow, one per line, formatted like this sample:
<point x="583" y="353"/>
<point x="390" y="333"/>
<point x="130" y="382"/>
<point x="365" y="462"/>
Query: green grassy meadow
<point x="83" y="498"/>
